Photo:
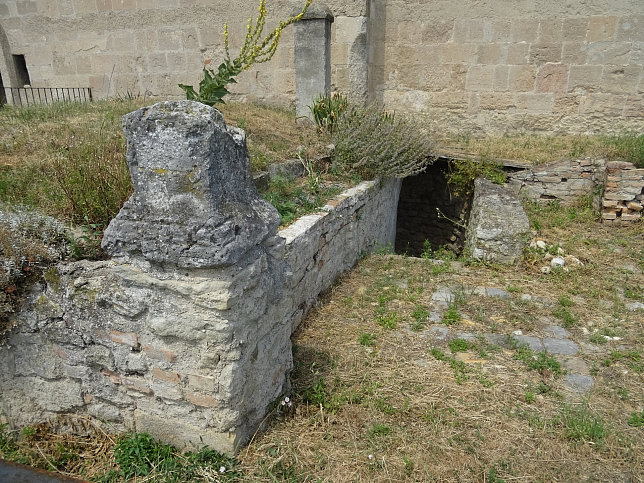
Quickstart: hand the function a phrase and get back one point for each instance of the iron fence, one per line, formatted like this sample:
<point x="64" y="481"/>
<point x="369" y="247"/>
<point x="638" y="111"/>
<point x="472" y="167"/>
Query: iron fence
<point x="27" y="96"/>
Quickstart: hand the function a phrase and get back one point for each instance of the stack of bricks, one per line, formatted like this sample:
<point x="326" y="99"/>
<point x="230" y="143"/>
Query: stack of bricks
<point x="623" y="198"/>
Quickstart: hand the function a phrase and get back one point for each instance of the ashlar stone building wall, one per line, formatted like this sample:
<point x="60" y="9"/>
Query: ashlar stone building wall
<point x="482" y="68"/>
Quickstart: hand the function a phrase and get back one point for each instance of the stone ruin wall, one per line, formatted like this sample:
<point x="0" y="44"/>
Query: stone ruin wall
<point x="185" y="332"/>
<point x="471" y="67"/>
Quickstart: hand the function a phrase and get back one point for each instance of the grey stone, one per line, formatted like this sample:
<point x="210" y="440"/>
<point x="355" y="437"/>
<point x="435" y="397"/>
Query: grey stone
<point x="292" y="168"/>
<point x="498" y="228"/>
<point x="579" y="383"/>
<point x="635" y="306"/>
<point x="501" y="340"/>
<point x="557" y="332"/>
<point x="194" y="203"/>
<point x="560" y="346"/>
<point x="443" y="294"/>
<point x="496" y="292"/>
<point x="466" y="335"/>
<point x="534" y="343"/>
<point x="312" y="58"/>
<point x="439" y="332"/>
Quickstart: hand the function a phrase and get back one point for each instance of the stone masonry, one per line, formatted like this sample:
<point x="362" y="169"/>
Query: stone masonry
<point x="623" y="196"/>
<point x="185" y="332"/>
<point x="469" y="67"/>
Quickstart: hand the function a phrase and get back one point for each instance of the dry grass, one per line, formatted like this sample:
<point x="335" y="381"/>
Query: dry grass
<point x="534" y="149"/>
<point x="480" y="415"/>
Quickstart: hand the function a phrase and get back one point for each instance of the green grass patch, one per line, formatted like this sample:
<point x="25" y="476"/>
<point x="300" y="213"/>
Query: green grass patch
<point x="540" y="362"/>
<point x="580" y="424"/>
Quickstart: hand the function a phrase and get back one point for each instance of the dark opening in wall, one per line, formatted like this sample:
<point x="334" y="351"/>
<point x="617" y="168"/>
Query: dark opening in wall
<point x="3" y="97"/>
<point x="21" y="70"/>
<point x="428" y="211"/>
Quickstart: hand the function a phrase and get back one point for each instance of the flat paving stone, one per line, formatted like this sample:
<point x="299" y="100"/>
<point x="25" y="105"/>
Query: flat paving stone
<point x="635" y="306"/>
<point x="534" y="343"/>
<point x="497" y="292"/>
<point x="501" y="340"/>
<point x="434" y="317"/>
<point x="575" y="365"/>
<point x="563" y="347"/>
<point x="579" y="383"/>
<point x="466" y="335"/>
<point x="443" y="294"/>
<point x="439" y="332"/>
<point x="557" y="332"/>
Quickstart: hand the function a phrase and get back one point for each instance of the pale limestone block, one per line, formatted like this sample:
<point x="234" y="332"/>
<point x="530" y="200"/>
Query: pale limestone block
<point x="634" y="107"/>
<point x="408" y="33"/>
<point x="459" y="76"/>
<point x="437" y="30"/>
<point x="497" y="100"/>
<point x="611" y="53"/>
<point x="518" y="53"/>
<point x="428" y="54"/>
<point x="521" y="78"/>
<point x="437" y="77"/>
<point x="567" y="104"/>
<point x="525" y="29"/>
<point x="121" y="41"/>
<point x="552" y="78"/>
<point x="601" y="28"/>
<point x="479" y="30"/>
<point x="83" y="7"/>
<point x="550" y="31"/>
<point x="156" y="62"/>
<point x="449" y="100"/>
<point x="575" y="29"/>
<point x="480" y="78"/>
<point x="458" y="53"/>
<point x="339" y="54"/>
<point x="630" y="28"/>
<point x="146" y="41"/>
<point x="545" y="53"/>
<point x="574" y="52"/>
<point x="104" y="5"/>
<point x="170" y="39"/>
<point x="600" y="104"/>
<point x="502" y="30"/>
<point x="123" y="5"/>
<point x="189" y="38"/>
<point x="537" y="103"/>
<point x="4" y="10"/>
<point x="501" y="78"/>
<point x="621" y="79"/>
<point x="491" y="53"/>
<point x="26" y="7"/>
<point x="585" y="77"/>
<point x="637" y="53"/>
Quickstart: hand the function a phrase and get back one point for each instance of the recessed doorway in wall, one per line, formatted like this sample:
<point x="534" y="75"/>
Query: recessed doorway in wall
<point x="427" y="210"/>
<point x="3" y="97"/>
<point x="22" y="74"/>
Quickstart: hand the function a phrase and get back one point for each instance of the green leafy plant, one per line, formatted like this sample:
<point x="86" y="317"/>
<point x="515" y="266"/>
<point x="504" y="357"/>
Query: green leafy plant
<point x="367" y="339"/>
<point x="541" y="362"/>
<point x="419" y="315"/>
<point x="379" y="430"/>
<point x="458" y="345"/>
<point x="371" y="142"/>
<point x="462" y="173"/>
<point x="327" y="110"/>
<point x="451" y="315"/>
<point x="581" y="425"/>
<point x="255" y="50"/>
<point x="636" y="420"/>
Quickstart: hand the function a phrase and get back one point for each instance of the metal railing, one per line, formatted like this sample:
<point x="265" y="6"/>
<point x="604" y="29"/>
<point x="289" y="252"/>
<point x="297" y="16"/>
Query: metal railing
<point x="28" y="96"/>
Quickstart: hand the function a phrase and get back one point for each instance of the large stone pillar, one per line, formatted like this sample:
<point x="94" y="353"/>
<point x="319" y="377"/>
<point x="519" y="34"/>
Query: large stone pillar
<point x="312" y="57"/>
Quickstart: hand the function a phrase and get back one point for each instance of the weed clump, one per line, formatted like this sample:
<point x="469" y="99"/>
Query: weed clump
<point x="371" y="143"/>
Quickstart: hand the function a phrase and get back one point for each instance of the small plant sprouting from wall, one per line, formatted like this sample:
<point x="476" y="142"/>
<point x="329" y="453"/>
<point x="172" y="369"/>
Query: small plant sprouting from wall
<point x="462" y="173"/>
<point x="212" y="87"/>
<point x="327" y="110"/>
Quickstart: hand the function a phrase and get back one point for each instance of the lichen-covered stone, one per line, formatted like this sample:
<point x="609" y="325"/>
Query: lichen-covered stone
<point x="498" y="227"/>
<point x="194" y="202"/>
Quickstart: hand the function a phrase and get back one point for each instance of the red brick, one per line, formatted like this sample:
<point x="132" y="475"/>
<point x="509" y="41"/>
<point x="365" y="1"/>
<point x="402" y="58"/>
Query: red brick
<point x="172" y="377"/>
<point x="163" y="355"/>
<point x="201" y="400"/>
<point x="113" y="376"/>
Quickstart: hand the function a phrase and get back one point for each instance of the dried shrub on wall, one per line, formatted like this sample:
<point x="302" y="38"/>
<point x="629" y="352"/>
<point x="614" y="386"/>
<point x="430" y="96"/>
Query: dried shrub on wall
<point x="29" y="243"/>
<point x="371" y="142"/>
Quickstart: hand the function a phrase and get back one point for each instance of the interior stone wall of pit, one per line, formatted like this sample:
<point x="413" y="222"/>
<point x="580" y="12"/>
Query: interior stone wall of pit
<point x="422" y="198"/>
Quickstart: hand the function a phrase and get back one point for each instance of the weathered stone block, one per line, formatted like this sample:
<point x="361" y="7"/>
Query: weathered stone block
<point x="184" y="162"/>
<point x="498" y="228"/>
<point x="521" y="78"/>
<point x="545" y="53"/>
<point x="584" y="77"/>
<point x="601" y="28"/>
<point x="552" y="78"/>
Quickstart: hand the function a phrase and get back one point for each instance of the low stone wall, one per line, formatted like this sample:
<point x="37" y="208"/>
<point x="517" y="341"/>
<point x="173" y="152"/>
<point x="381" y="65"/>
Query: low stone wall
<point x="564" y="181"/>
<point x="185" y="332"/>
<point x="623" y="193"/>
